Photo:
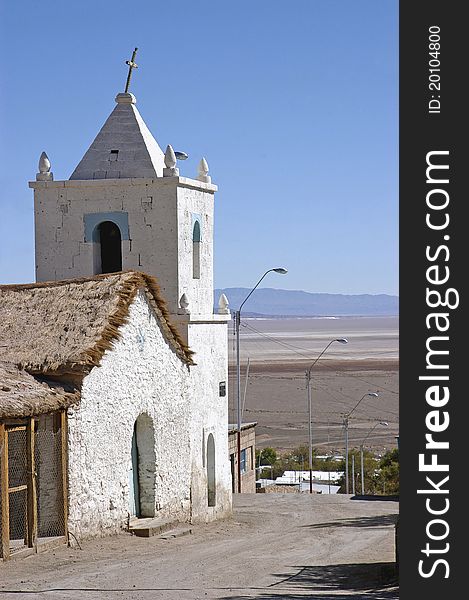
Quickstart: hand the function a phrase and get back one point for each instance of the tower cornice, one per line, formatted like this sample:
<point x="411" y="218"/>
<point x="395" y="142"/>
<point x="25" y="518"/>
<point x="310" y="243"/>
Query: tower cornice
<point x="186" y="182"/>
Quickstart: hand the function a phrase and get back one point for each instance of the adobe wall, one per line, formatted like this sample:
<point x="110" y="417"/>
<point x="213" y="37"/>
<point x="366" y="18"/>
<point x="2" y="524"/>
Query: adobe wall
<point x="141" y="375"/>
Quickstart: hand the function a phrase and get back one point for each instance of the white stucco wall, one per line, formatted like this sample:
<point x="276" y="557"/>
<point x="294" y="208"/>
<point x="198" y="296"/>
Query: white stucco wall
<point x="195" y="204"/>
<point x="210" y="415"/>
<point x="141" y="374"/>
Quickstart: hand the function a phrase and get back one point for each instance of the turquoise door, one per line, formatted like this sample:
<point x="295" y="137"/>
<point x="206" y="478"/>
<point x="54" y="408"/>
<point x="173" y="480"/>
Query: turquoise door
<point x="134" y="499"/>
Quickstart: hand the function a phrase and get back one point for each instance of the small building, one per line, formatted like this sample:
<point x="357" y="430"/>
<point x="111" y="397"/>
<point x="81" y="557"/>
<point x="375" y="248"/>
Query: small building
<point x="323" y="477"/>
<point x="248" y="457"/>
<point x="126" y="400"/>
<point x="33" y="466"/>
<point x="324" y="482"/>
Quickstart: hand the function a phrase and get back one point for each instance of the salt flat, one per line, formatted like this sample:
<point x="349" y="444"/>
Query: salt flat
<point x="368" y="338"/>
<point x="279" y="352"/>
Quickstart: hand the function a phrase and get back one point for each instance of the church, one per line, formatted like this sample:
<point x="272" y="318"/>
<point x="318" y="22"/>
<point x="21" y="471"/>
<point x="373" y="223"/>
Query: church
<point x="114" y="365"/>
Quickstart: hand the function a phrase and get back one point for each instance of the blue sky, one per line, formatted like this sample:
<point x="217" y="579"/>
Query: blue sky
<point x="294" y="105"/>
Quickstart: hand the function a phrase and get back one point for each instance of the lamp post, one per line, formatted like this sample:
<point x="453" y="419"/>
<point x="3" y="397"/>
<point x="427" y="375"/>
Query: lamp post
<point x="237" y="316"/>
<point x="310" y="423"/>
<point x="384" y="424"/>
<point x="346" y="418"/>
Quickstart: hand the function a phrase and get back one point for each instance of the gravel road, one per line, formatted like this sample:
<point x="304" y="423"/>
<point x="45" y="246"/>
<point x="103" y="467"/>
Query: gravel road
<point x="291" y="546"/>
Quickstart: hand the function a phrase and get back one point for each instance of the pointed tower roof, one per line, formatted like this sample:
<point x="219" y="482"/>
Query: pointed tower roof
<point x="124" y="148"/>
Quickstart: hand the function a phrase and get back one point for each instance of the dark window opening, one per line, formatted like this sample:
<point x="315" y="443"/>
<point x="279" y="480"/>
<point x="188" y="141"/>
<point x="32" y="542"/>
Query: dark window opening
<point x="114" y="155"/>
<point x="111" y="247"/>
<point x="211" y="481"/>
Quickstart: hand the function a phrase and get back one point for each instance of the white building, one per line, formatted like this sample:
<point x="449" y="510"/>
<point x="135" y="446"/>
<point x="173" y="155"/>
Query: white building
<point x="149" y="433"/>
<point x="324" y="482"/>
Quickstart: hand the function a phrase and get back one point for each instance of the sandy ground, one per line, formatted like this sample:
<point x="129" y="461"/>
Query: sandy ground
<point x="276" y="396"/>
<point x="276" y="546"/>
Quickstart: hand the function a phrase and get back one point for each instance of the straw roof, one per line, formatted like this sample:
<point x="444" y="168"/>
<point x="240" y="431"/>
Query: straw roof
<point x="23" y="395"/>
<point x="64" y="327"/>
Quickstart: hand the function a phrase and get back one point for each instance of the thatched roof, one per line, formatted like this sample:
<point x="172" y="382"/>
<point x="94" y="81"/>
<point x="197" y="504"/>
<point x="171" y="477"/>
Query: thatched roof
<point x="23" y="395"/>
<point x="64" y="327"/>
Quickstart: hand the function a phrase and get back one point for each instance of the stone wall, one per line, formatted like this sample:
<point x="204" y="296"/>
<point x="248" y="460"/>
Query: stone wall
<point x="155" y="217"/>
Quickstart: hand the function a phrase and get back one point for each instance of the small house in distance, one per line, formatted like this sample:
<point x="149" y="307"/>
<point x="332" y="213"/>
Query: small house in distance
<point x="324" y="482"/>
<point x="248" y="457"/>
<point x="102" y="354"/>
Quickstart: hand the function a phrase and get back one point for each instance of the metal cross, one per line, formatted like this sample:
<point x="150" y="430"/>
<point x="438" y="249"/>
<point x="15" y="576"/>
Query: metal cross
<point x="132" y="65"/>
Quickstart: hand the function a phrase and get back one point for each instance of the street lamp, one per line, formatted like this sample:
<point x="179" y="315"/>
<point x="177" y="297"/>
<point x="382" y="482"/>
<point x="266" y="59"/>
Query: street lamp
<point x="384" y="424"/>
<point x="346" y="418"/>
<point x="237" y="316"/>
<point x="310" y="424"/>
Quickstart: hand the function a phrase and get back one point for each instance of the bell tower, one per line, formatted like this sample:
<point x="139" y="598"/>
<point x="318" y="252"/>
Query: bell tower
<point x="126" y="206"/>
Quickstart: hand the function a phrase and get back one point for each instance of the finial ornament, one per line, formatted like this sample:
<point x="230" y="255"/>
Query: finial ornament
<point x="170" y="163"/>
<point x="203" y="171"/>
<point x="132" y="65"/>
<point x="45" y="173"/>
<point x="184" y="305"/>
<point x="223" y="305"/>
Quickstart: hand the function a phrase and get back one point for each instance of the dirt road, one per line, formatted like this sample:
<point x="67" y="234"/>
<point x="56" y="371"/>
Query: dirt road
<point x="276" y="546"/>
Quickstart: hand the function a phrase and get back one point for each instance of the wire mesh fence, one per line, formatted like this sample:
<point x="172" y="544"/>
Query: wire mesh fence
<point x="48" y="460"/>
<point x="33" y="502"/>
<point x="18" y="487"/>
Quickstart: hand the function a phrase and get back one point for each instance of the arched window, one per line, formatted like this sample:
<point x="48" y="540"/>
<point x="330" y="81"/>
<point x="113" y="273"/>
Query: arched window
<point x="211" y="483"/>
<point x="108" y="248"/>
<point x="196" y="251"/>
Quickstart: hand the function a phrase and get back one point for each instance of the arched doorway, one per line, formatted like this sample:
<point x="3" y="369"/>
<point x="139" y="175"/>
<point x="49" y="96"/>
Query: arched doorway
<point x="211" y="483"/>
<point x="142" y="470"/>
<point x="107" y="248"/>
<point x="134" y="484"/>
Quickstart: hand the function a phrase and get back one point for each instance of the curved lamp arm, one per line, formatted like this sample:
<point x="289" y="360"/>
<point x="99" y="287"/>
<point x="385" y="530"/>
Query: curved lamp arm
<point x="277" y="270"/>
<point x="383" y="423"/>
<point x="340" y="340"/>
<point x="372" y="394"/>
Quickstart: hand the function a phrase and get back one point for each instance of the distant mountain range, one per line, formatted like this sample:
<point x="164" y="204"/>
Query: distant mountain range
<point x="283" y="303"/>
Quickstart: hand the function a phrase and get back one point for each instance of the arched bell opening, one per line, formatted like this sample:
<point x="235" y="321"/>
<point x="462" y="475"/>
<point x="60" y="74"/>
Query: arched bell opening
<point x="107" y="255"/>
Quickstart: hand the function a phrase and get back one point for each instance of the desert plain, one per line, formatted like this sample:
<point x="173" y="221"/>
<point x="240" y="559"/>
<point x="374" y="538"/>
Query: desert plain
<point x="276" y="353"/>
